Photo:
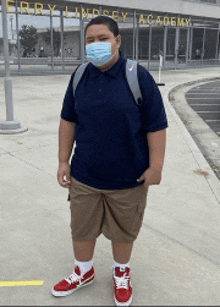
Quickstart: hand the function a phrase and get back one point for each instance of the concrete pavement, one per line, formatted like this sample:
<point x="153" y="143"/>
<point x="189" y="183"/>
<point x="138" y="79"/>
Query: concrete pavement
<point x="176" y="257"/>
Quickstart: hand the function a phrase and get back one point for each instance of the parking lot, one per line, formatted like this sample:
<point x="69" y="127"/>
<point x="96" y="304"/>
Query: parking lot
<point x="205" y="101"/>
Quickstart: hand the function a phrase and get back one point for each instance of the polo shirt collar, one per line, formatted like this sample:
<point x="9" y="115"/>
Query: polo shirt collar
<point x="113" y="71"/>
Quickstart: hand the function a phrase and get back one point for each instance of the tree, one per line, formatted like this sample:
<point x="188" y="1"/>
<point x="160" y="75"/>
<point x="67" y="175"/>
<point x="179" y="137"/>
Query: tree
<point x="28" y="38"/>
<point x="56" y="40"/>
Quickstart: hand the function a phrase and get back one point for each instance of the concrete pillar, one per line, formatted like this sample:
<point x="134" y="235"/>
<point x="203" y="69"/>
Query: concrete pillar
<point x="137" y="40"/>
<point x="187" y="45"/>
<point x="10" y="125"/>
<point x="82" y="53"/>
<point x="219" y="45"/>
<point x="134" y="33"/>
<point x="62" y="39"/>
<point x="18" y="38"/>
<point x="191" y="43"/>
<point x="165" y="45"/>
<point x="51" y="43"/>
<point x="217" y="54"/>
<point x="203" y="43"/>
<point x="177" y="40"/>
<point x="150" y="46"/>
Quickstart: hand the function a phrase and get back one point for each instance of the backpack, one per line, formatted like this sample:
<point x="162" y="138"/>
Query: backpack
<point x="131" y="75"/>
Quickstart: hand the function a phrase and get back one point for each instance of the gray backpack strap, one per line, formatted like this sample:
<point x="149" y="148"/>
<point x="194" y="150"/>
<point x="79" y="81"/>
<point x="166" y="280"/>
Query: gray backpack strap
<point x="132" y="78"/>
<point x="78" y="75"/>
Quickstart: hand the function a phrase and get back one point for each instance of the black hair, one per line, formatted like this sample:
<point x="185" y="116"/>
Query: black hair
<point x="104" y="20"/>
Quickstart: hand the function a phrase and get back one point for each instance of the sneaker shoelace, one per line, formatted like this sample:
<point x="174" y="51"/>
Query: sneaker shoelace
<point x="122" y="282"/>
<point x="72" y="278"/>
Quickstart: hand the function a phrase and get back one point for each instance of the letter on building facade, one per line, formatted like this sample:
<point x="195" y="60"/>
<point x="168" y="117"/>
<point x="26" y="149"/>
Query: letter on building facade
<point x="67" y="12"/>
<point x="51" y="9"/>
<point x="95" y="12"/>
<point x="8" y="6"/>
<point x="180" y="22"/>
<point x="24" y="6"/>
<point x="38" y="7"/>
<point x="166" y="21"/>
<point x="141" y="18"/>
<point x="158" y="20"/>
<point x="173" y="21"/>
<point x="105" y="12"/>
<point x="149" y="19"/>
<point x="84" y="13"/>
<point x="124" y="15"/>
<point x="115" y="15"/>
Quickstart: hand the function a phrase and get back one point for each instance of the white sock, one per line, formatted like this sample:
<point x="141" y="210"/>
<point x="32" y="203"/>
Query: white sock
<point x="121" y="265"/>
<point x="84" y="266"/>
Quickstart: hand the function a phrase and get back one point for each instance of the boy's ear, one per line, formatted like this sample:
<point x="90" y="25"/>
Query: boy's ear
<point x="118" y="40"/>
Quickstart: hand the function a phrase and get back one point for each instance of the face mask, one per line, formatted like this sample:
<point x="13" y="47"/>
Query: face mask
<point x="99" y="53"/>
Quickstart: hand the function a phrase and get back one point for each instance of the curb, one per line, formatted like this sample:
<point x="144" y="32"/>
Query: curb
<point x="211" y="179"/>
<point x="13" y="131"/>
<point x="182" y="85"/>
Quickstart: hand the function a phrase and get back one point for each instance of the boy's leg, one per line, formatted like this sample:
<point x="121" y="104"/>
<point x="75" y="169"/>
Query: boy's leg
<point x="121" y="273"/>
<point x="86" y="220"/>
<point x="83" y="273"/>
<point x="83" y="250"/>
<point x="122" y="251"/>
<point x="124" y="210"/>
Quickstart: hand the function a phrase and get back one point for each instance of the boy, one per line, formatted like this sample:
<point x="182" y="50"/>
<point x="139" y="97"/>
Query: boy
<point x="119" y="153"/>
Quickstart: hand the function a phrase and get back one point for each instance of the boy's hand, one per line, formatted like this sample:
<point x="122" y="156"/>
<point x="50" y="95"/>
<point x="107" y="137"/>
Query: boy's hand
<point x="63" y="175"/>
<point x="151" y="177"/>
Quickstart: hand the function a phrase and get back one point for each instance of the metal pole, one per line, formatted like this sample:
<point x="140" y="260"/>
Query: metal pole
<point x="187" y="45"/>
<point x="51" y="39"/>
<point x="10" y="123"/>
<point x="150" y="46"/>
<point x="217" y="44"/>
<point x="137" y="40"/>
<point x="134" y="33"/>
<point x="164" y="46"/>
<point x="191" y="43"/>
<point x="62" y="39"/>
<point x="203" y="43"/>
<point x="12" y="34"/>
<point x="177" y="45"/>
<point x="82" y="55"/>
<point x="18" y="39"/>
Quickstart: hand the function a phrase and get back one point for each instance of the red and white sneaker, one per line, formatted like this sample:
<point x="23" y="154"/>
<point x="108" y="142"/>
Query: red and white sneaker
<point x="122" y="286"/>
<point x="73" y="282"/>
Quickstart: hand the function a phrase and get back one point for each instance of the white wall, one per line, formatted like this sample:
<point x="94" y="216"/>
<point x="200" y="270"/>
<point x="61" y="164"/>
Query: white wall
<point x="166" y="6"/>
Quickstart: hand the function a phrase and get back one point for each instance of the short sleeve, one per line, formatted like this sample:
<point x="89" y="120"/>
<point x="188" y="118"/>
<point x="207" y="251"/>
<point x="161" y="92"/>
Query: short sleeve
<point x="68" y="111"/>
<point x="152" y="109"/>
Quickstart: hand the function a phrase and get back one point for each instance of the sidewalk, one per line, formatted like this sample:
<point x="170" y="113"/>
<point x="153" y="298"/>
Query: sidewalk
<point x="176" y="257"/>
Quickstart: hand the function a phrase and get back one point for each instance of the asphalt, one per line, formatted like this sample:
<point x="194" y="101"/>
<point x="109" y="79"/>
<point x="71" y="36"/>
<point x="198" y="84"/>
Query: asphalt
<point x="175" y="260"/>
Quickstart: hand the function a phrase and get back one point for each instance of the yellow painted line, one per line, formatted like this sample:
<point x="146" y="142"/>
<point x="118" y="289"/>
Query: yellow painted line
<point x="21" y="283"/>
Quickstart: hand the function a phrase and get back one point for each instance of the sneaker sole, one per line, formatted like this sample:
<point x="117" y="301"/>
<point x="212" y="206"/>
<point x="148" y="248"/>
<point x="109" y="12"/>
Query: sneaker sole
<point x="66" y="293"/>
<point x="128" y="303"/>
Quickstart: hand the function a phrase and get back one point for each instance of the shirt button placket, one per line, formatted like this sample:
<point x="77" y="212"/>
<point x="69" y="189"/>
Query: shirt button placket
<point x="100" y="90"/>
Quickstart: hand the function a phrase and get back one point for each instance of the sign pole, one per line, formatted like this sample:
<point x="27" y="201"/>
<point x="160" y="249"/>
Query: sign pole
<point x="160" y="67"/>
<point x="10" y="125"/>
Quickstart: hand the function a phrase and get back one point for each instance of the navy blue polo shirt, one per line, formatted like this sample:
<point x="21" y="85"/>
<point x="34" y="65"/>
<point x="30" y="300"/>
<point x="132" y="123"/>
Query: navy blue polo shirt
<point x="111" y="145"/>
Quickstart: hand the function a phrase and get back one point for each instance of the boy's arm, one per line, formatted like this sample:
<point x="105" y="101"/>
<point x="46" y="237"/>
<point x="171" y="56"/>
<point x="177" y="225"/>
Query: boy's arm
<point x="156" y="143"/>
<point x="66" y="141"/>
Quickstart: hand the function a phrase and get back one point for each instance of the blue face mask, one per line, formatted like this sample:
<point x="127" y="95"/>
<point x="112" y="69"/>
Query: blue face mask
<point x="99" y="53"/>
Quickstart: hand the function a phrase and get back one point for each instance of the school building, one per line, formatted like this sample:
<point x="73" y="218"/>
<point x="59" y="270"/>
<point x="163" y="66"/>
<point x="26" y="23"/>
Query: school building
<point x="183" y="32"/>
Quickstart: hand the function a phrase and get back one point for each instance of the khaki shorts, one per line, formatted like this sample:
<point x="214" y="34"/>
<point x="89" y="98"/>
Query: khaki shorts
<point x="117" y="214"/>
